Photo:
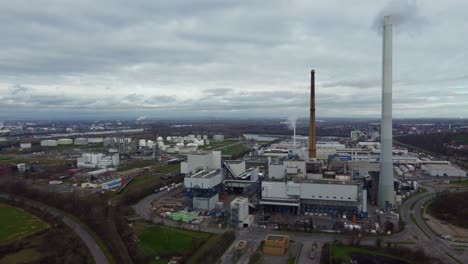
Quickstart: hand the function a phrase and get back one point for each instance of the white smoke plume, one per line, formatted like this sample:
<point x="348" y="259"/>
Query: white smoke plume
<point x="141" y="118"/>
<point x="405" y="15"/>
<point x="292" y="120"/>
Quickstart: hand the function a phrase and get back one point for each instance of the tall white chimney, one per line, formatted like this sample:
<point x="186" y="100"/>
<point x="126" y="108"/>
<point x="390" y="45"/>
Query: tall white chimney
<point x="386" y="193"/>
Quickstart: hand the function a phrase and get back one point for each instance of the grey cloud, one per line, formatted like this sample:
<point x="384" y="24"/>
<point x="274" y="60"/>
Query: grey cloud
<point x="405" y="14"/>
<point x="18" y="88"/>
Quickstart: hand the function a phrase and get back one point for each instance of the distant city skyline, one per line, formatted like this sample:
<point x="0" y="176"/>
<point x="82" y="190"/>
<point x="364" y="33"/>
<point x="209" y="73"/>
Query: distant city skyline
<point x="218" y="59"/>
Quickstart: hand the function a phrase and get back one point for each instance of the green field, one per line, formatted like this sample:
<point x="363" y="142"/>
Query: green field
<point x="461" y="138"/>
<point x="16" y="223"/>
<point x="234" y="150"/>
<point x="215" y="144"/>
<point x="343" y="253"/>
<point x="164" y="241"/>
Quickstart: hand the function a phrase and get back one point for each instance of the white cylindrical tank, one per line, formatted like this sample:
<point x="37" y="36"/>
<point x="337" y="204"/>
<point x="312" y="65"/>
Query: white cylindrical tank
<point x="160" y="144"/>
<point x="142" y="143"/>
<point x="163" y="147"/>
<point x="160" y="139"/>
<point x="149" y="143"/>
<point x="65" y="141"/>
<point x="25" y="145"/>
<point x="115" y="160"/>
<point x="205" y="137"/>
<point x="179" y="145"/>
<point x="218" y="138"/>
<point x="207" y="142"/>
<point x="95" y="140"/>
<point x="81" y="141"/>
<point x="49" y="143"/>
<point x="108" y="141"/>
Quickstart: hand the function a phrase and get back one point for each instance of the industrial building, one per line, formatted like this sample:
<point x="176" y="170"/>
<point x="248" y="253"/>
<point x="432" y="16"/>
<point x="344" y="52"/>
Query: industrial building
<point x="443" y="170"/>
<point x="276" y="245"/>
<point x="98" y="160"/>
<point x="240" y="216"/>
<point x="203" y="188"/>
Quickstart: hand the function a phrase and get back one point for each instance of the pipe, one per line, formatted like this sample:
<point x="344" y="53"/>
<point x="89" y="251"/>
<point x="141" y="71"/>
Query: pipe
<point x="312" y="135"/>
<point x="386" y="192"/>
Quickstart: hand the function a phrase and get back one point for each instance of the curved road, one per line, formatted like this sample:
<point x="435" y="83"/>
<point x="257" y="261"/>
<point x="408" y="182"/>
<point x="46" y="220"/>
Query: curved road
<point x="432" y="244"/>
<point x="89" y="241"/>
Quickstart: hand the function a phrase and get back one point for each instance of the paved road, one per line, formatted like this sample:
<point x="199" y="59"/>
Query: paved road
<point x="89" y="241"/>
<point x="433" y="244"/>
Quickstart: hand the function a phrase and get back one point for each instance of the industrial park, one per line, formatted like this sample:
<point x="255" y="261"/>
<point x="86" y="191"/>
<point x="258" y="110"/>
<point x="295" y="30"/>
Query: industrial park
<point x="237" y="191"/>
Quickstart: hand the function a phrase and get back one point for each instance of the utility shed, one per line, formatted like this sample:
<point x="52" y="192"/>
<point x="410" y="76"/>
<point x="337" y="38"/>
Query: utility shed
<point x="443" y="170"/>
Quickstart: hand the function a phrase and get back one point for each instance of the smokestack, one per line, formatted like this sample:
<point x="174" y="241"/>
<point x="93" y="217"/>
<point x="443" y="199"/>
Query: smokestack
<point x="312" y="136"/>
<point x="386" y="194"/>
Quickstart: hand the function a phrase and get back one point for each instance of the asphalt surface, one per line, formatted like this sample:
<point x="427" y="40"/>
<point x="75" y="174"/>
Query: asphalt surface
<point x="433" y="245"/>
<point x="89" y="241"/>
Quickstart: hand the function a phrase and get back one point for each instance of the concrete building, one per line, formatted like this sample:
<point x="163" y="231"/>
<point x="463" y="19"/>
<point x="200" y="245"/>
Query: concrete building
<point x="25" y="145"/>
<point x="203" y="188"/>
<point x="240" y="216"/>
<point x="276" y="245"/>
<point x="201" y="161"/>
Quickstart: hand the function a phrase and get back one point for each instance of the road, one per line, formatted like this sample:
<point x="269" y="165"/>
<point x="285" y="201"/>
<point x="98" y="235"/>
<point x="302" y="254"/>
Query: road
<point x="88" y="240"/>
<point x="433" y="245"/>
<point x="431" y="242"/>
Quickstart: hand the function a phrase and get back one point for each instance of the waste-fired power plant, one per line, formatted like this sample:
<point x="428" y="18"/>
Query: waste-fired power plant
<point x="386" y="196"/>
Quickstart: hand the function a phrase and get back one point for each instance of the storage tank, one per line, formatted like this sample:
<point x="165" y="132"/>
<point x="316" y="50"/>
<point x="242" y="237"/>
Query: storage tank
<point x="150" y="143"/>
<point x="160" y="144"/>
<point x="205" y="137"/>
<point x="95" y="140"/>
<point x="180" y="145"/>
<point x="219" y="138"/>
<point x="115" y="160"/>
<point x="81" y="141"/>
<point x="49" y="143"/>
<point x="108" y="141"/>
<point x="25" y="145"/>
<point x="142" y="143"/>
<point x="207" y="142"/>
<point x="168" y="139"/>
<point x="65" y="141"/>
<point x="160" y="139"/>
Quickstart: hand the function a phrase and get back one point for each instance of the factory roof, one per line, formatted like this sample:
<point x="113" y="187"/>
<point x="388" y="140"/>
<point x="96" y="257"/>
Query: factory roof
<point x="205" y="174"/>
<point x="276" y="238"/>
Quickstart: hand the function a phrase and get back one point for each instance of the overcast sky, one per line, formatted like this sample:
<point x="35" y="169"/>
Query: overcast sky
<point x="229" y="58"/>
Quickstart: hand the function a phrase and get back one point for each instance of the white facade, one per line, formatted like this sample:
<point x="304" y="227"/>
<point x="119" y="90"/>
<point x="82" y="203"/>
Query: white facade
<point x="443" y="170"/>
<point x="112" y="184"/>
<point x="204" y="180"/>
<point x="311" y="191"/>
<point x="327" y="191"/>
<point x="202" y="203"/>
<point x="241" y="204"/>
<point x="201" y="161"/>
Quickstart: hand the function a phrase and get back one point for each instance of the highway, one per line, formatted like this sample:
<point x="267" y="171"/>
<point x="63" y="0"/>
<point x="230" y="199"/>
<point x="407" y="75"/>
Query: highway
<point x="88" y="240"/>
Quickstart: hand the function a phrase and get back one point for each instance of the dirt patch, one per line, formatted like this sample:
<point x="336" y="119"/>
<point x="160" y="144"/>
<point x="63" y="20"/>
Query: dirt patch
<point x="441" y="227"/>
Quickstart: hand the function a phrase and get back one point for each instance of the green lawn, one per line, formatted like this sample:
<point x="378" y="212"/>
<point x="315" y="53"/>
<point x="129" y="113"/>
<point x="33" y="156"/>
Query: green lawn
<point x="16" y="223"/>
<point x="234" y="150"/>
<point x="214" y="144"/>
<point x="343" y="253"/>
<point x="157" y="240"/>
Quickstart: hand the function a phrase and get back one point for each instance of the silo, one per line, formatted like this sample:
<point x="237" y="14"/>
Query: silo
<point x="149" y="143"/>
<point x="160" y="139"/>
<point x="65" y="141"/>
<point x="168" y="139"/>
<point x="108" y="141"/>
<point x="142" y="143"/>
<point x="95" y="140"/>
<point x="115" y="160"/>
<point x="49" y="143"/>
<point x="81" y="141"/>
<point x="219" y="138"/>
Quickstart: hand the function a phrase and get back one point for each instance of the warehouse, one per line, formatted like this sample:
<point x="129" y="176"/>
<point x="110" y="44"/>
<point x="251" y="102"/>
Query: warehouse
<point x="201" y="161"/>
<point x="443" y="170"/>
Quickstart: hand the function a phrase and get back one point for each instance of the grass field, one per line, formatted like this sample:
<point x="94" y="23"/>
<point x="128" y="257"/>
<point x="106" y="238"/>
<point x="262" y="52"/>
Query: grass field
<point x="343" y="253"/>
<point x="234" y="150"/>
<point x="214" y="144"/>
<point x="163" y="241"/>
<point x="16" y="223"/>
